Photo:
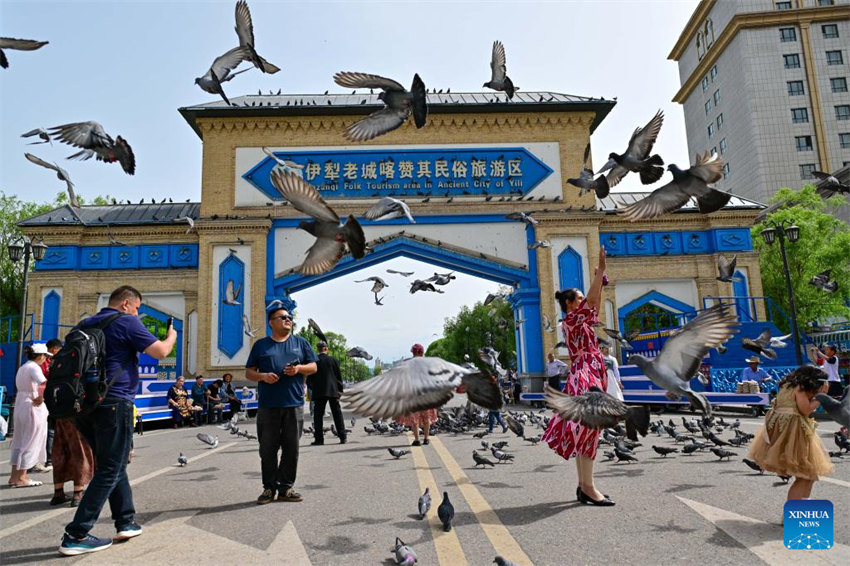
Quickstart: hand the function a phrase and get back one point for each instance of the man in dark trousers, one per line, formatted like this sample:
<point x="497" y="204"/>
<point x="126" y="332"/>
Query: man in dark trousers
<point x="327" y="386"/>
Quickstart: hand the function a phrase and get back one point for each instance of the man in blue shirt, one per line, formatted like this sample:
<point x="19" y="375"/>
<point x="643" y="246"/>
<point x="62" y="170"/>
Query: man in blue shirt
<point x="754" y="372"/>
<point x="109" y="428"/>
<point x="280" y="363"/>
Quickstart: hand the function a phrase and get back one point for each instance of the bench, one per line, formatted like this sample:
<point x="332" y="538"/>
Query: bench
<point x="152" y="399"/>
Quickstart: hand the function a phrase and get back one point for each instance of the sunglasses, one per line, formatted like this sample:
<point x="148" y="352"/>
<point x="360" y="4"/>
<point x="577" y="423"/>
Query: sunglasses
<point x="282" y="317"/>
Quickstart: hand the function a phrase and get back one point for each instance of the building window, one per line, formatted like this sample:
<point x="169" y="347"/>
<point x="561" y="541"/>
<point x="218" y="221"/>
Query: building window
<point x="725" y="170"/>
<point x="792" y="61"/>
<point x="795" y="88"/>
<point x="787" y="34"/>
<point x="806" y="170"/>
<point x="842" y="112"/>
<point x="719" y="121"/>
<point x="722" y="146"/>
<point x="800" y="115"/>
<point x="710" y="130"/>
<point x="709" y="33"/>
<point x="707" y="107"/>
<point x="804" y="143"/>
<point x="717" y="97"/>
<point x="700" y="48"/>
<point x="783" y="5"/>
<point x="714" y="151"/>
<point x="839" y="84"/>
<point x="834" y="58"/>
<point x="826" y="2"/>
<point x="704" y="84"/>
<point x="844" y="141"/>
<point x="830" y="31"/>
<point x="713" y="73"/>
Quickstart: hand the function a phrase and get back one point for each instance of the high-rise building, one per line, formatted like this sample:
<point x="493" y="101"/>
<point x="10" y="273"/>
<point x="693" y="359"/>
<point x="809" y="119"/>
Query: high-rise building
<point x="765" y="85"/>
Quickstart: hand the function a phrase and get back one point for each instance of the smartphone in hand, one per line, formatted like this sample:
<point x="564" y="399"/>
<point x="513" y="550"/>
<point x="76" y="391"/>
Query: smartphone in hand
<point x="169" y="323"/>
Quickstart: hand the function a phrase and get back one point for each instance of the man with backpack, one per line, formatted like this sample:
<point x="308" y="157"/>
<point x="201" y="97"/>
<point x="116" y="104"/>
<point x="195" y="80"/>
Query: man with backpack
<point x="108" y="426"/>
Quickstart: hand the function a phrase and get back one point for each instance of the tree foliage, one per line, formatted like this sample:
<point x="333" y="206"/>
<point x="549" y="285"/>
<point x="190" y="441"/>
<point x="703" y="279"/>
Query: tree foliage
<point x="474" y="328"/>
<point x="824" y="244"/>
<point x="352" y="369"/>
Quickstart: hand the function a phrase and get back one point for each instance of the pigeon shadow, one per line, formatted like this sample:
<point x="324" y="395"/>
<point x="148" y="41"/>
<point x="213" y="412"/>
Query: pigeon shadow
<point x="363" y="521"/>
<point x="522" y="515"/>
<point x="193" y="471"/>
<point x="542" y="468"/>
<point x="671" y="526"/>
<point x="35" y="555"/>
<point x="314" y="486"/>
<point x="253" y="475"/>
<point x="206" y="477"/>
<point x="685" y="487"/>
<point x="339" y="545"/>
<point x="631" y="472"/>
<point x="499" y="485"/>
<point x="370" y="448"/>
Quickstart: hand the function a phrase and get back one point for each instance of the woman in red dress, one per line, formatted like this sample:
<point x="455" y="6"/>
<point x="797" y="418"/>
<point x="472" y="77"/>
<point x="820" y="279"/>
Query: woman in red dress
<point x="587" y="369"/>
<point x="419" y="419"/>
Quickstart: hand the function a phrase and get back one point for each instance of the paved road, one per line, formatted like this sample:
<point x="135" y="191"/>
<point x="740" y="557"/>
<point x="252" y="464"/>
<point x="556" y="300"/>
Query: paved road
<point x="358" y="499"/>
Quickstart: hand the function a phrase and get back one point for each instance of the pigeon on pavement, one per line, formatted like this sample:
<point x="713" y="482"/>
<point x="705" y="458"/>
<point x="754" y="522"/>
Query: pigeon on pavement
<point x="499" y="561"/>
<point x="499" y="79"/>
<point x="404" y="555"/>
<point x="181" y="460"/>
<point x="388" y="208"/>
<point x="417" y="384"/>
<point x="424" y="504"/>
<point x="687" y="184"/>
<point x="723" y="453"/>
<point x="481" y="460"/>
<point x="636" y="158"/>
<point x="446" y="512"/>
<point x="664" y="450"/>
<point x="839" y="411"/>
<point x="61" y="174"/>
<point x="683" y="352"/>
<point x="753" y="466"/>
<point x="624" y="456"/>
<point x="585" y="181"/>
<point x="396" y="453"/>
<point x="501" y="456"/>
<point x="726" y="269"/>
<point x="95" y="142"/>
<point x="18" y="44"/>
<point x="207" y="439"/>
<point x="245" y="32"/>
<point x="596" y="409"/>
<point x="399" y="104"/>
<point x="331" y="237"/>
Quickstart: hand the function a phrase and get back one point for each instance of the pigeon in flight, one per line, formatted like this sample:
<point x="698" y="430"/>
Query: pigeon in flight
<point x="61" y="174"/>
<point x="358" y="352"/>
<point x="527" y="218"/>
<point x="314" y="326"/>
<point x="182" y="460"/>
<point x="637" y="157"/>
<point x="417" y="384"/>
<point x="399" y="104"/>
<point x="585" y="181"/>
<point x="95" y="142"/>
<point x="331" y="237"/>
<point x="379" y="300"/>
<point x="726" y="268"/>
<point x="424" y="503"/>
<point x="682" y="353"/>
<point x="693" y="182"/>
<point x="285" y="163"/>
<point x="823" y="282"/>
<point x="596" y="409"/>
<point x="446" y="512"/>
<point x="231" y="293"/>
<point x="492" y="297"/>
<point x="404" y="555"/>
<point x="190" y="221"/>
<point x="516" y="427"/>
<point x="419" y="285"/>
<point x="388" y="208"/>
<point x="839" y="411"/>
<point x="221" y="71"/>
<point x="378" y="286"/>
<point x="760" y="345"/>
<point x="490" y="356"/>
<point x="441" y="278"/>
<point x="18" y="44"/>
<point x="245" y="32"/>
<point x="402" y="273"/>
<point x="624" y="341"/>
<point x="246" y="328"/>
<point x="539" y="244"/>
<point x="396" y="453"/>
<point x="829" y="185"/>
<point x="207" y="439"/>
<point x="547" y="324"/>
<point x="499" y="79"/>
<point x="42" y="135"/>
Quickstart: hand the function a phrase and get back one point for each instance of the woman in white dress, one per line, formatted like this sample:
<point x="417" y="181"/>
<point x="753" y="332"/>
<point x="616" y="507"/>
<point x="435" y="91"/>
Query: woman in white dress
<point x="615" y="384"/>
<point x="30" y="434"/>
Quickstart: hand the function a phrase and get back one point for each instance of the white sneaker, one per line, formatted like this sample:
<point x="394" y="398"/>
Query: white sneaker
<point x="41" y="468"/>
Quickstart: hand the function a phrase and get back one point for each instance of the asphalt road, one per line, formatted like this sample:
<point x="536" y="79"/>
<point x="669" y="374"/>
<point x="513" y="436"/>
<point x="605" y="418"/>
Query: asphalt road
<point x="358" y="499"/>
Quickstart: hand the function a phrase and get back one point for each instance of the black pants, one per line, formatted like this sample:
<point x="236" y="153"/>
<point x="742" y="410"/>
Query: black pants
<point x="278" y="430"/>
<point x="319" y="413"/>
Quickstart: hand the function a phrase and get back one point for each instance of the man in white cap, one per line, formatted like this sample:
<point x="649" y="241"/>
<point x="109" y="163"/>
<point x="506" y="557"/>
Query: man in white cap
<point x="754" y="373"/>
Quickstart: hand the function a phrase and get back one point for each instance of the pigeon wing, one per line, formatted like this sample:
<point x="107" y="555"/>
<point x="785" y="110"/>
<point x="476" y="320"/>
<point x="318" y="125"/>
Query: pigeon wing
<point x="314" y="326"/>
<point x="244" y="25"/>
<point x="707" y="168"/>
<point x="483" y="390"/>
<point x="303" y="196"/>
<point x="21" y="44"/>
<point x="642" y="140"/>
<point x="87" y="135"/>
<point x="415" y="385"/>
<point x="684" y="351"/>
<point x="668" y="198"/>
<point x="223" y="64"/>
<point x="206" y="438"/>
<point x="322" y="256"/>
<point x="384" y="206"/>
<point x="43" y="163"/>
<point x="594" y="409"/>
<point x="498" y="67"/>
<point x="366" y="80"/>
<point x="378" y="123"/>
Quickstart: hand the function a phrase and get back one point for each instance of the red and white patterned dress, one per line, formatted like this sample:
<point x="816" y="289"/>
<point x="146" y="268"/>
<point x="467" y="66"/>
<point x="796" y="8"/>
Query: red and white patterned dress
<point x="422" y="419"/>
<point x="587" y="368"/>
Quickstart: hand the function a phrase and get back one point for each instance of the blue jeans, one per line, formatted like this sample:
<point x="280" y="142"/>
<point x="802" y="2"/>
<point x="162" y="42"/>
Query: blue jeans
<point x="109" y="431"/>
<point x="494" y="417"/>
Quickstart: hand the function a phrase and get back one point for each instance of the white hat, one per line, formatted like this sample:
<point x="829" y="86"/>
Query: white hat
<point x="753" y="360"/>
<point x="40" y="349"/>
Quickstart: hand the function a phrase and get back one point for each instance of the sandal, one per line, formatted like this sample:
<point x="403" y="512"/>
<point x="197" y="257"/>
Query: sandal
<point x="58" y="499"/>
<point x="78" y="496"/>
<point x="28" y="483"/>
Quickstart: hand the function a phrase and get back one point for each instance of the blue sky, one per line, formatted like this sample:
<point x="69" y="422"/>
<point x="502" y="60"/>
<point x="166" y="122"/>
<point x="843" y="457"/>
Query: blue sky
<point x="131" y="65"/>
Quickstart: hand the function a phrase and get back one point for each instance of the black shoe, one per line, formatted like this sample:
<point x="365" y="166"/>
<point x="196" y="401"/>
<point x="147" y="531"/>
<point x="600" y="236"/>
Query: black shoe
<point x="266" y="497"/>
<point x="343" y="440"/>
<point x="317" y="443"/>
<point x="426" y="441"/>
<point x="290" y="495"/>
<point x="585" y="499"/>
<point x="59" y="499"/>
<point x="415" y="443"/>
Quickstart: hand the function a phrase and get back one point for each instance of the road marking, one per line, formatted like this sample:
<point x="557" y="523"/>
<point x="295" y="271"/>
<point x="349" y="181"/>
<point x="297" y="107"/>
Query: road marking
<point x="51" y="514"/>
<point x="449" y="551"/>
<point x="835" y="481"/>
<point x="501" y="539"/>
<point x="765" y="540"/>
<point x="206" y="547"/>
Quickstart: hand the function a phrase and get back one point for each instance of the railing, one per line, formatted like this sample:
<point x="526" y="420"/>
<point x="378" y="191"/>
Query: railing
<point x="748" y="311"/>
<point x="727" y="379"/>
<point x="9" y="328"/>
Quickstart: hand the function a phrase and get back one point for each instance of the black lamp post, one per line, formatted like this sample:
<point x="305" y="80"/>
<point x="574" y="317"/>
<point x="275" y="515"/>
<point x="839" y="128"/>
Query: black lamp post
<point x="781" y="230"/>
<point x="25" y="247"/>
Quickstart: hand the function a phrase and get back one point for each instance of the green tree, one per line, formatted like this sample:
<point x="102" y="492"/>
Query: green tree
<point x="352" y="369"/>
<point x="824" y="244"/>
<point x="476" y="327"/>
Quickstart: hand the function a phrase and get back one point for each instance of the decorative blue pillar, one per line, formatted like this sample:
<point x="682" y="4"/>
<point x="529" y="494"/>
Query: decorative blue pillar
<point x="529" y="338"/>
<point x="50" y="316"/>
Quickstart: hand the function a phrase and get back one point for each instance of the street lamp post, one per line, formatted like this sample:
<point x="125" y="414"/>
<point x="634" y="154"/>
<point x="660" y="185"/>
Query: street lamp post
<point x="25" y="247"/>
<point x="770" y="234"/>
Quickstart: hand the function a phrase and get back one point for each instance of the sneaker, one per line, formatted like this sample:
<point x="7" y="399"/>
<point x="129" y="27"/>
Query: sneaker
<point x="41" y="468"/>
<point x="415" y="443"/>
<point x="290" y="495"/>
<point x="266" y="497"/>
<point x="72" y="546"/>
<point x="130" y="531"/>
<point x="426" y="441"/>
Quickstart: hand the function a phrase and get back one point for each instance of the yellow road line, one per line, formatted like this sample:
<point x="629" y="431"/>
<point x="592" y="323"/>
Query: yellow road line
<point x="449" y="552"/>
<point x="501" y="539"/>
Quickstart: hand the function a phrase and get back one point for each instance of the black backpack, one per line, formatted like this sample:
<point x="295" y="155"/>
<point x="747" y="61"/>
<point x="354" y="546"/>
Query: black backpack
<point x="77" y="382"/>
